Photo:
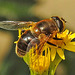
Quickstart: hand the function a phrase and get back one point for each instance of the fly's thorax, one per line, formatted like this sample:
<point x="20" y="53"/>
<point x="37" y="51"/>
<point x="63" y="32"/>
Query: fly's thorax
<point x="46" y="27"/>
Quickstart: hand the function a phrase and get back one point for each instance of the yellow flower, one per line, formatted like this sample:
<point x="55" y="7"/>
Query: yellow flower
<point x="41" y="62"/>
<point x="64" y="42"/>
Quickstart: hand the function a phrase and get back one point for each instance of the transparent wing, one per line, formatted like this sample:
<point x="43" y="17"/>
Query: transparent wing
<point x="15" y="25"/>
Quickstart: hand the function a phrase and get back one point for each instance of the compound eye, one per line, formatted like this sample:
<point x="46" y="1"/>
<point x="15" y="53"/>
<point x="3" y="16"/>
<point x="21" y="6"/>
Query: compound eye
<point x="54" y="17"/>
<point x="59" y="23"/>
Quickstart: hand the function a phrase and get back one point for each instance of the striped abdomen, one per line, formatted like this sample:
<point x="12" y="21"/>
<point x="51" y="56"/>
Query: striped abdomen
<point x="23" y="42"/>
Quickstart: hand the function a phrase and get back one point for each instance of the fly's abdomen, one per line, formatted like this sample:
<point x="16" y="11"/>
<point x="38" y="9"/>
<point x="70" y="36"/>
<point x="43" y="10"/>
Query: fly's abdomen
<point x="23" y="42"/>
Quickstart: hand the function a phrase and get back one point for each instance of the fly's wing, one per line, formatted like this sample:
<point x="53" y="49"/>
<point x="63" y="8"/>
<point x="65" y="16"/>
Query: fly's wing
<point x="33" y="44"/>
<point x="15" y="25"/>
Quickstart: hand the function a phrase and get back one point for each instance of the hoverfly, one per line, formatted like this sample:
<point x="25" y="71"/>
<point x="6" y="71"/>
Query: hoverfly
<point x="34" y="33"/>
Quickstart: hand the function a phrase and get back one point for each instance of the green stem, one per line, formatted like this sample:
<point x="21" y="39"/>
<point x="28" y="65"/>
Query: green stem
<point x="54" y="65"/>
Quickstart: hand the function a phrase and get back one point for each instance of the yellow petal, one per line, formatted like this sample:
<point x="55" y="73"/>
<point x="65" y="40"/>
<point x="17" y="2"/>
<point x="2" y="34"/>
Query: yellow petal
<point x="70" y="46"/>
<point x="66" y="32"/>
<point x="72" y="36"/>
<point x="53" y="53"/>
<point x="61" y="53"/>
<point x="19" y="31"/>
<point x="48" y="55"/>
<point x="15" y="41"/>
<point x="71" y="43"/>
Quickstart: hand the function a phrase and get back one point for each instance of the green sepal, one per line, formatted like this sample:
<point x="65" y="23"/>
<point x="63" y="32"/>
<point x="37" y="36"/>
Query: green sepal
<point x="26" y="58"/>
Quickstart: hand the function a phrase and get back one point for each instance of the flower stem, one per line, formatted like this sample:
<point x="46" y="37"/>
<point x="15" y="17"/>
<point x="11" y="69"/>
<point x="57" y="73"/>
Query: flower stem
<point x="54" y="65"/>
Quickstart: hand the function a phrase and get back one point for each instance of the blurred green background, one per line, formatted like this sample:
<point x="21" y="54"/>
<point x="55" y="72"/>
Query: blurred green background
<point x="32" y="10"/>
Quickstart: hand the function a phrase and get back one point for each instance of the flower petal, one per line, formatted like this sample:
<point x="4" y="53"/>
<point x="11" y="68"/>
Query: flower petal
<point x="70" y="46"/>
<point x="61" y="53"/>
<point x="72" y="43"/>
<point x="48" y="55"/>
<point x="72" y="36"/>
<point x="53" y="53"/>
<point x="66" y="32"/>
